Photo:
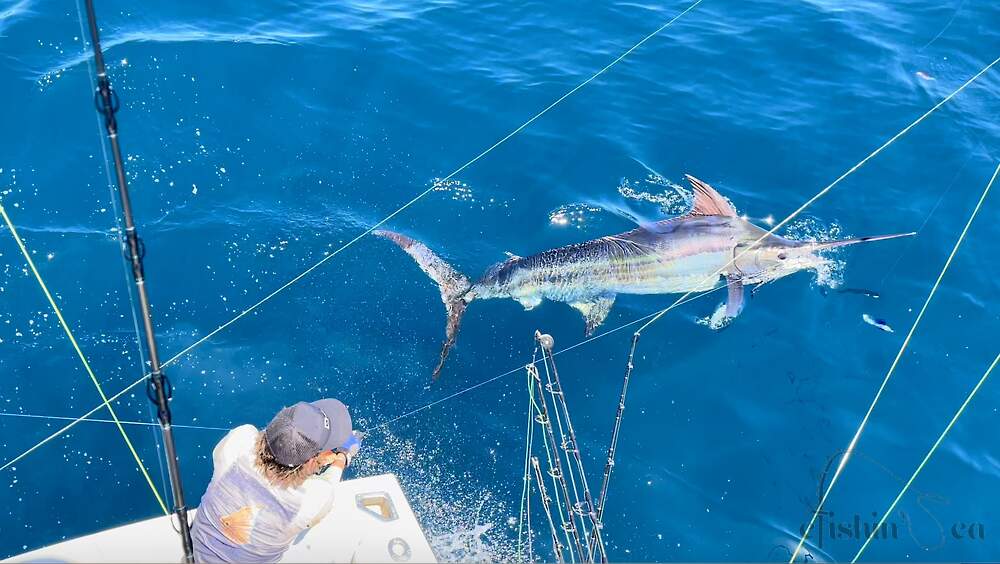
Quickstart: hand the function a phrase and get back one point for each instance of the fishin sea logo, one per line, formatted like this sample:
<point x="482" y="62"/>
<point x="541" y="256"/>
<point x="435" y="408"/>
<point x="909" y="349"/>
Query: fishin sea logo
<point x="828" y="528"/>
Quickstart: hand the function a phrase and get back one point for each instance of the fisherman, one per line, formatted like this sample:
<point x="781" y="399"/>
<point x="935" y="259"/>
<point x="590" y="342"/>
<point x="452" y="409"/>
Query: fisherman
<point x="270" y="486"/>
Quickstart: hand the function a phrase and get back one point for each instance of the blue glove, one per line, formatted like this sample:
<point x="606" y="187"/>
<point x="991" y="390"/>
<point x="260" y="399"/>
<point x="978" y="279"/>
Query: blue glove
<point x="352" y="445"/>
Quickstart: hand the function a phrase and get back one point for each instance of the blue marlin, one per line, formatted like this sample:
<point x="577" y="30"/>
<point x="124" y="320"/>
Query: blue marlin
<point x="706" y="248"/>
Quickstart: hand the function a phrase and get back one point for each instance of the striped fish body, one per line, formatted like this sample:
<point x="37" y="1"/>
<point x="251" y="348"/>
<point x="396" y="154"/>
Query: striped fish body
<point x="699" y="251"/>
<point x="687" y="254"/>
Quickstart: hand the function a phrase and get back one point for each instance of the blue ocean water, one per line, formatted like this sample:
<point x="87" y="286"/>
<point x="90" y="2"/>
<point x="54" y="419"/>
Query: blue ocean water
<point x="262" y="135"/>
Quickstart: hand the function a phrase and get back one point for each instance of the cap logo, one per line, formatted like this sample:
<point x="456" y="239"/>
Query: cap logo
<point x="326" y="423"/>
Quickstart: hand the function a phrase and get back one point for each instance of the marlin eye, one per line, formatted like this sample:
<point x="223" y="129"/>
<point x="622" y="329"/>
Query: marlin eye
<point x="782" y="256"/>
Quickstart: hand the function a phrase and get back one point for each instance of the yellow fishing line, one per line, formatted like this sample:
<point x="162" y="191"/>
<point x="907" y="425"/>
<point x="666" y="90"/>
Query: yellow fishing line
<point x="83" y="359"/>
<point x="927" y="457"/>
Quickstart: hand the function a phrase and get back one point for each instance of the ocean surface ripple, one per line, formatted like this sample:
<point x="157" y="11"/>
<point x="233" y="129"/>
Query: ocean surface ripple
<point x="261" y="136"/>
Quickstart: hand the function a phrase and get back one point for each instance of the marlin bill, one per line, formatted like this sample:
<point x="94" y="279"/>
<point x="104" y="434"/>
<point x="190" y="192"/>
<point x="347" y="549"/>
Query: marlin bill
<point x="706" y="248"/>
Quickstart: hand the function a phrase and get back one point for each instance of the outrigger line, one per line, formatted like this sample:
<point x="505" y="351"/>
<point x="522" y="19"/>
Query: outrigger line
<point x="534" y="361"/>
<point x="652" y="317"/>
<point x="74" y="421"/>
<point x="657" y="316"/>
<point x="892" y="369"/>
<point x="927" y="457"/>
<point x="81" y="356"/>
<point x="121" y="421"/>
<point x="158" y="387"/>
<point x="374" y="227"/>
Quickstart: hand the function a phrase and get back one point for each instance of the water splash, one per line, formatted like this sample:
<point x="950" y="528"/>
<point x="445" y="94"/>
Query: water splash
<point x="829" y="273"/>
<point x="716" y="320"/>
<point x="471" y="545"/>
<point x="459" y="516"/>
<point x="670" y="197"/>
<point x="811" y="229"/>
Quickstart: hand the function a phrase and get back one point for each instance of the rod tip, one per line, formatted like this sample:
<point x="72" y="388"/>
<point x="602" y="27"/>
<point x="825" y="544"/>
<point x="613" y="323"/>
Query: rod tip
<point x="545" y="340"/>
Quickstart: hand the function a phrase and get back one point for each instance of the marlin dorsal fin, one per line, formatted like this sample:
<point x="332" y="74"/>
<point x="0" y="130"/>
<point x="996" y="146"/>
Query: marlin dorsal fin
<point x="707" y="201"/>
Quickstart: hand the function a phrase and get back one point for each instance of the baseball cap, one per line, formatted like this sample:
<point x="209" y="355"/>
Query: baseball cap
<point x="302" y="431"/>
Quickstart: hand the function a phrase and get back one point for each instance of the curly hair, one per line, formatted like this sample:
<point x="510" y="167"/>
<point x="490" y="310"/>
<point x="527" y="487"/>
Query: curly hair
<point x="276" y="473"/>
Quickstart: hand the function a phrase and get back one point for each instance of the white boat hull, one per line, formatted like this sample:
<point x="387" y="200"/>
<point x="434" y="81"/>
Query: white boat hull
<point x="371" y="521"/>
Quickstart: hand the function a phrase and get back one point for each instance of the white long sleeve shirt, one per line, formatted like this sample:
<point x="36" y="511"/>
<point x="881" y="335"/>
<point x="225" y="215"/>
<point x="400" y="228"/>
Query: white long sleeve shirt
<point x="243" y="517"/>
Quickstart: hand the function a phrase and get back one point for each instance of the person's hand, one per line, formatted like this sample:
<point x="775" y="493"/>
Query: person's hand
<point x="352" y="446"/>
<point x="341" y="460"/>
<point x="330" y="458"/>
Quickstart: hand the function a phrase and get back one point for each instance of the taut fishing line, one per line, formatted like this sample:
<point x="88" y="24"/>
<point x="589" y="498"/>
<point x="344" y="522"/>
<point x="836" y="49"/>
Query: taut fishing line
<point x="120" y="236"/>
<point x="378" y="224"/>
<point x="892" y="368"/>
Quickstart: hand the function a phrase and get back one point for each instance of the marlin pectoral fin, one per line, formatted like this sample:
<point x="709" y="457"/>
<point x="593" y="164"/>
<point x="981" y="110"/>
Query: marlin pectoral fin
<point x="594" y="311"/>
<point x="726" y="313"/>
<point x="734" y="302"/>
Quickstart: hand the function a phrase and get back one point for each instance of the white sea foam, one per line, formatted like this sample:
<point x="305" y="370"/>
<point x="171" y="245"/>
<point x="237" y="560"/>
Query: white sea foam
<point x="670" y="197"/>
<point x="464" y="522"/>
<point x="811" y="229"/>
<point x="830" y="273"/>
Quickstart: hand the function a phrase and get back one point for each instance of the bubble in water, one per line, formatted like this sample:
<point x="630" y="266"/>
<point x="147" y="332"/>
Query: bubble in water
<point x="472" y="545"/>
<point x="573" y="215"/>
<point x="829" y="273"/>
<point x="811" y="229"/>
<point x="460" y="191"/>
<point x="670" y="197"/>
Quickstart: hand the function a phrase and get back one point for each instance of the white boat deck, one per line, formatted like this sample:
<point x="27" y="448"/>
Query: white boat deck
<point x="371" y="521"/>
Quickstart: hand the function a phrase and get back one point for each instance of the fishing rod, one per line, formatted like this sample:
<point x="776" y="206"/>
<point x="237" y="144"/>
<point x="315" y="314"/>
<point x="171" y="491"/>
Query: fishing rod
<point x="602" y="497"/>
<point x="158" y="387"/>
<point x="568" y="525"/>
<point x="585" y="508"/>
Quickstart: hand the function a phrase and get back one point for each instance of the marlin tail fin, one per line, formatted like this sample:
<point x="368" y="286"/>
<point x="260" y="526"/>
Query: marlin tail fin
<point x="453" y="285"/>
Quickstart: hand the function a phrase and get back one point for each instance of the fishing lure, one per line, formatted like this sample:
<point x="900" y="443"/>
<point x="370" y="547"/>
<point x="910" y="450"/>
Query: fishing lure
<point x="875" y="322"/>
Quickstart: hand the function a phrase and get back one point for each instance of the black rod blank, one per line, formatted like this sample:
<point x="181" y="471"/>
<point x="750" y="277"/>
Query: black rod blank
<point x="158" y="386"/>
